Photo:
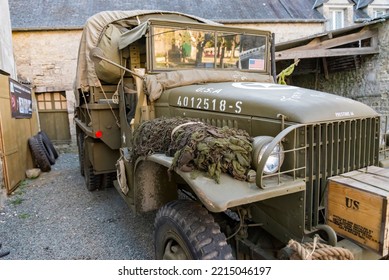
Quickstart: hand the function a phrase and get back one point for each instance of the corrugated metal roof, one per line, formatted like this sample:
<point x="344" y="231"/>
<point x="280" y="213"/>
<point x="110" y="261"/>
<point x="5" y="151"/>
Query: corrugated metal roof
<point x="45" y="14"/>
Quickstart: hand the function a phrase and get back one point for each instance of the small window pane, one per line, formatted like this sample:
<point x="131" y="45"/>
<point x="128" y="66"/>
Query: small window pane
<point x="57" y="105"/>
<point x="47" y="96"/>
<point x="337" y="19"/>
<point x="379" y="13"/>
<point x="183" y="48"/>
<point x="241" y="52"/>
<point x="48" y="105"/>
<point x="57" y="96"/>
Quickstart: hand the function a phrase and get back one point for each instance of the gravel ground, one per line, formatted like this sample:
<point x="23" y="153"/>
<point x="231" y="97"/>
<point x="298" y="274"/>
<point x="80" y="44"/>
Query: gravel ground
<point x="54" y="217"/>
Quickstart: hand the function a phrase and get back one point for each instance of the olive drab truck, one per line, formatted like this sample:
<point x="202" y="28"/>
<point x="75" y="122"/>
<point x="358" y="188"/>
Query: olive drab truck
<point x="183" y="117"/>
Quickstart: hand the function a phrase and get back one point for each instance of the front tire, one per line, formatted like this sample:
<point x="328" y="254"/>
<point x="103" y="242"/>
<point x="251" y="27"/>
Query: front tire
<point x="184" y="230"/>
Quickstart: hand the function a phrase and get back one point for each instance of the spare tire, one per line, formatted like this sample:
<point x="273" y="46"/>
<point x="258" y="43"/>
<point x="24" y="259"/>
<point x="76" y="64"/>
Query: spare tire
<point x="46" y="149"/>
<point x="38" y="154"/>
<point x="48" y="143"/>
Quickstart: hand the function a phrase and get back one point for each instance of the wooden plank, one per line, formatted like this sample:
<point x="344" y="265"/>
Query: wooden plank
<point x="284" y="55"/>
<point x="325" y="67"/>
<point x="373" y="179"/>
<point x="319" y="43"/>
<point x="322" y="48"/>
<point x="346" y="39"/>
<point x="56" y="125"/>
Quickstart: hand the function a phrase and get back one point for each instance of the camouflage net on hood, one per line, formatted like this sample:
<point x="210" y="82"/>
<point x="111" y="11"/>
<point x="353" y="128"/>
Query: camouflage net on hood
<point x="196" y="145"/>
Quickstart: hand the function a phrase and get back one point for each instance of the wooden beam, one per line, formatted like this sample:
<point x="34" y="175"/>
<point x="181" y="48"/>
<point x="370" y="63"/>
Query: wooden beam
<point x="351" y="38"/>
<point x="317" y="74"/>
<point x="317" y="43"/>
<point x="308" y="46"/>
<point x="300" y="54"/>
<point x="325" y="68"/>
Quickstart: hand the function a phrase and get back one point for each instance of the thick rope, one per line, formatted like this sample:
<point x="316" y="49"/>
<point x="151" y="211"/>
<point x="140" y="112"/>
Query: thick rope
<point x="319" y="251"/>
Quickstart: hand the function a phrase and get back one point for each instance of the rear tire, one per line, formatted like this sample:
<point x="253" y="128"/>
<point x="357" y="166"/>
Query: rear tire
<point x="38" y="154"/>
<point x="185" y="230"/>
<point x="80" y="145"/>
<point x="92" y="181"/>
<point x="107" y="180"/>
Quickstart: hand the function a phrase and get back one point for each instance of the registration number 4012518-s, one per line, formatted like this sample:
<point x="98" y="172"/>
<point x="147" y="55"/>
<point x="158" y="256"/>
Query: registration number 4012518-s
<point x="213" y="104"/>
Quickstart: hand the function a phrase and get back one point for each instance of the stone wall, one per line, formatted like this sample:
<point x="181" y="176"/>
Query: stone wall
<point x="48" y="60"/>
<point x="368" y="84"/>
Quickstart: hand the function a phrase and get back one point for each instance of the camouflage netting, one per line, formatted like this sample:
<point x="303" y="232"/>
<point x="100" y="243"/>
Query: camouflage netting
<point x="196" y="145"/>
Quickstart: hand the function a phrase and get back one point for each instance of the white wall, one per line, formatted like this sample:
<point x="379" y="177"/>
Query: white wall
<point x="7" y="62"/>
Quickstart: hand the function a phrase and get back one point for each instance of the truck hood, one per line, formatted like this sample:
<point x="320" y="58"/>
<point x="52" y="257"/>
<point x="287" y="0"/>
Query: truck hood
<point x="266" y="100"/>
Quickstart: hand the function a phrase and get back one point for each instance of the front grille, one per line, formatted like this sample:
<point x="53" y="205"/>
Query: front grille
<point x="334" y="148"/>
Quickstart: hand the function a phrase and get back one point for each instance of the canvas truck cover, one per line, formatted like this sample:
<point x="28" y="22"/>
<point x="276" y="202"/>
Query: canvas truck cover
<point x="98" y="24"/>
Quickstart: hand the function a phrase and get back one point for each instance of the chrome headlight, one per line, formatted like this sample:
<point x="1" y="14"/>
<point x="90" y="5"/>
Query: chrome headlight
<point x="275" y="159"/>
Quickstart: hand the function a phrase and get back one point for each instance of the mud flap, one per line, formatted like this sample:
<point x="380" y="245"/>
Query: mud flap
<point x="153" y="189"/>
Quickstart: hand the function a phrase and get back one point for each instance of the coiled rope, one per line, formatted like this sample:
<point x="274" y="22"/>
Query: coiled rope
<point x="318" y="251"/>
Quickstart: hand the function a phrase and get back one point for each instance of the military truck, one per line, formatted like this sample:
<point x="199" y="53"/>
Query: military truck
<point x="316" y="185"/>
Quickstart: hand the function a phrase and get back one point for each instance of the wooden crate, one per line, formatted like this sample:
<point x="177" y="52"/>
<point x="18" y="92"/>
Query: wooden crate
<point x="357" y="205"/>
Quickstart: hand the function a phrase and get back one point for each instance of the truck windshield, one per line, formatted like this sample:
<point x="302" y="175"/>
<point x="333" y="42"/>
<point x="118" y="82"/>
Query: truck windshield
<point x="178" y="48"/>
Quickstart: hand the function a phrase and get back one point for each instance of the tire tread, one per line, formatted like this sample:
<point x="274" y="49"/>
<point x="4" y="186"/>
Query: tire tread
<point x="38" y="154"/>
<point x="49" y="143"/>
<point x="203" y="233"/>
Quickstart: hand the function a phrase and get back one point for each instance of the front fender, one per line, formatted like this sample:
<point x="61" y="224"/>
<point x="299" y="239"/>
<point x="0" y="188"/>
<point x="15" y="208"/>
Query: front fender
<point x="218" y="197"/>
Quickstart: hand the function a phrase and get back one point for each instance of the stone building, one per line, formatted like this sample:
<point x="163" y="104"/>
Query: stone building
<point x="46" y="34"/>
<point x="359" y="70"/>
<point x="344" y="13"/>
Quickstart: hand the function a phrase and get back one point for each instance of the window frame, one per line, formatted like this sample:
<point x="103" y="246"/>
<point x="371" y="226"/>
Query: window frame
<point x="333" y="20"/>
<point x="205" y="27"/>
<point x="379" y="10"/>
<point x="48" y="101"/>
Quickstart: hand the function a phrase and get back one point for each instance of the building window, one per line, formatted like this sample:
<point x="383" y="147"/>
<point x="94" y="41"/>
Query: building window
<point x="337" y="19"/>
<point x="51" y="101"/>
<point x="379" y="12"/>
